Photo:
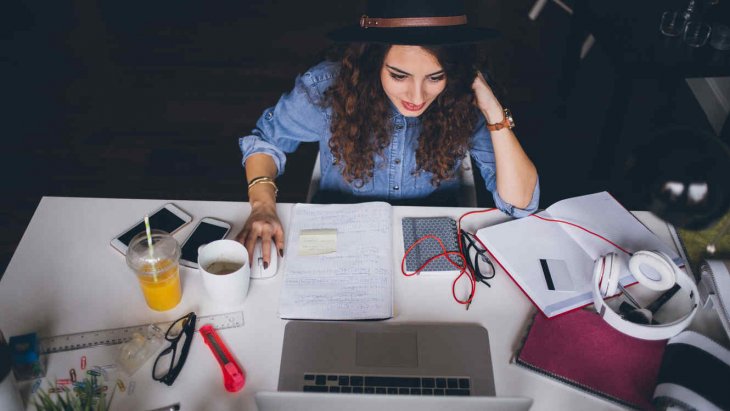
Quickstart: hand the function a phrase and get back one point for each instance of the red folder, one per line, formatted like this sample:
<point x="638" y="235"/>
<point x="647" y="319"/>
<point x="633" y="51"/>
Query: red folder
<point x="582" y="350"/>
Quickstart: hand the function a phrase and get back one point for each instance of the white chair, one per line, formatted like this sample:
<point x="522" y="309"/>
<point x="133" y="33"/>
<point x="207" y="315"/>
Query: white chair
<point x="467" y="196"/>
<point x="537" y="9"/>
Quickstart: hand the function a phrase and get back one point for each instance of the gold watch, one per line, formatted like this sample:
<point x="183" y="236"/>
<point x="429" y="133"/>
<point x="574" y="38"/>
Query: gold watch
<point x="507" y="121"/>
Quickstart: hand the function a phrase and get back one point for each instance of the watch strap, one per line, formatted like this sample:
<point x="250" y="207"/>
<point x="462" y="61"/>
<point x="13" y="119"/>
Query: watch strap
<point x="505" y="123"/>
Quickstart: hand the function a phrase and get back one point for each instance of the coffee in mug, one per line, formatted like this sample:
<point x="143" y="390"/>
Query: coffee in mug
<point x="222" y="267"/>
<point x="225" y="271"/>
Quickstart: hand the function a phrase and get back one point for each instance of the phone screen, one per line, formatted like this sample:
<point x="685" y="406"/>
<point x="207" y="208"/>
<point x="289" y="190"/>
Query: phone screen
<point x="163" y="219"/>
<point x="204" y="233"/>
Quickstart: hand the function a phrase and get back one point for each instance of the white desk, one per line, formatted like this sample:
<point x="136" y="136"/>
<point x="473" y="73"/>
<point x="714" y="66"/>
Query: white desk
<point x="65" y="278"/>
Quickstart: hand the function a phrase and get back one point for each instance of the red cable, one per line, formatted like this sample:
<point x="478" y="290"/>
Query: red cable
<point x="472" y="276"/>
<point x="584" y="229"/>
<point x="464" y="268"/>
<point x="446" y="254"/>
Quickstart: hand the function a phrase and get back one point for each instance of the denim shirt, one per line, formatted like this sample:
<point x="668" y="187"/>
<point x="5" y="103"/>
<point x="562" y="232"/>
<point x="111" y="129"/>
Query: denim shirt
<point x="299" y="117"/>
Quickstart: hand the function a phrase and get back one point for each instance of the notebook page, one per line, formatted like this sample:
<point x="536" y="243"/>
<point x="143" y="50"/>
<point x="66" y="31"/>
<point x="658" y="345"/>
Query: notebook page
<point x="543" y="260"/>
<point x="603" y="215"/>
<point x="353" y="282"/>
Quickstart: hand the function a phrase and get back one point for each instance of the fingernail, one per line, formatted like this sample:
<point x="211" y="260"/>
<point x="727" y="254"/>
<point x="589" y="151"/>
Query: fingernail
<point x="281" y="252"/>
<point x="266" y="265"/>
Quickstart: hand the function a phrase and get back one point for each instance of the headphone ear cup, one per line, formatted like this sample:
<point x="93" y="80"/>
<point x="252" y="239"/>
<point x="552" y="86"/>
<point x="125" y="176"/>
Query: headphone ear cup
<point x="608" y="269"/>
<point x="614" y="273"/>
<point x="599" y="269"/>
<point x="646" y="266"/>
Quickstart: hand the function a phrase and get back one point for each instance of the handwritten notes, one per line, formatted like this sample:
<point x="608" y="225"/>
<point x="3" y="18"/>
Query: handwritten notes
<point x="343" y="267"/>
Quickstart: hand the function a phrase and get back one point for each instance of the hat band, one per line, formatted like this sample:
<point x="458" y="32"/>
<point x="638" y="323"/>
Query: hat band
<point x="369" y="22"/>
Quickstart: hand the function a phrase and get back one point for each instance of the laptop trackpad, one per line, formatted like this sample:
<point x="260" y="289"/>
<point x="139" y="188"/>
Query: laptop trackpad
<point x="386" y="349"/>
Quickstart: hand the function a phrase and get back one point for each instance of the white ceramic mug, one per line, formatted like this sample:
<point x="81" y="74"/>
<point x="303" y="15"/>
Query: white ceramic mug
<point x="231" y="286"/>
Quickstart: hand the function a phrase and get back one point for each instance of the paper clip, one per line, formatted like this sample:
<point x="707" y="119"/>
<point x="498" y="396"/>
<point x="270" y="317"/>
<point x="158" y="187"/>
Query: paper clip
<point x="36" y="385"/>
<point x="130" y="389"/>
<point x="93" y="372"/>
<point x="120" y="385"/>
<point x="101" y="371"/>
<point x="79" y="384"/>
<point x="83" y="362"/>
<point x="103" y="388"/>
<point x="55" y="390"/>
<point x="63" y="381"/>
<point x="72" y="374"/>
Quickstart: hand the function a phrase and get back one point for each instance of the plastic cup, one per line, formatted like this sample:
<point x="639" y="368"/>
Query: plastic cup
<point x="672" y="23"/>
<point x="696" y="33"/>
<point x="158" y="270"/>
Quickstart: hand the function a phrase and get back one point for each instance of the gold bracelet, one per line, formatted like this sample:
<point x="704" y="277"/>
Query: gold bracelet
<point x="264" y="180"/>
<point x="259" y="178"/>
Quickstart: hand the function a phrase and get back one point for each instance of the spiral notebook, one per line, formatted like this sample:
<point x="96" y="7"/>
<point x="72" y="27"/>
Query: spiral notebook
<point x="415" y="228"/>
<point x="601" y="360"/>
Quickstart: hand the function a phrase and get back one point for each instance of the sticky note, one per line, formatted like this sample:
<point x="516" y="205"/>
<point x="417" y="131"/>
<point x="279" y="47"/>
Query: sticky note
<point x="317" y="241"/>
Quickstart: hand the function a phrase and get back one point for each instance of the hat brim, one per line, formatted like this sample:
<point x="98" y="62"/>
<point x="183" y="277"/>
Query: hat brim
<point x="413" y="35"/>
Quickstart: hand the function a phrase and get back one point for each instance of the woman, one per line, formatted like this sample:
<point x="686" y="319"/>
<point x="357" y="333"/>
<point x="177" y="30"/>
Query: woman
<point x="393" y="119"/>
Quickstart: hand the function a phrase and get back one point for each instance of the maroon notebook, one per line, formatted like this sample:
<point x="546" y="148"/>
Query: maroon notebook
<point x="582" y="350"/>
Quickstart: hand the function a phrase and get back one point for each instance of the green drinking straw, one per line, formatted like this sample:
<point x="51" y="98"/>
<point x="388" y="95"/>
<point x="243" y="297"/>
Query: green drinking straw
<point x="150" y="247"/>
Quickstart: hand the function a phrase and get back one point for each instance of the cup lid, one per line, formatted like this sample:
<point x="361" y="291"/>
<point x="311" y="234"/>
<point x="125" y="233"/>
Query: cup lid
<point x="165" y="252"/>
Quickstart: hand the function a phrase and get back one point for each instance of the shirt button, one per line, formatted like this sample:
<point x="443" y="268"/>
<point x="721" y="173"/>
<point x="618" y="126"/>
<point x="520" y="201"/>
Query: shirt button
<point x="395" y="187"/>
<point x="397" y="161"/>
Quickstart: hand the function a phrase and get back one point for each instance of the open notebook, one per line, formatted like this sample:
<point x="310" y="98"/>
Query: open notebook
<point x="338" y="264"/>
<point x="552" y="262"/>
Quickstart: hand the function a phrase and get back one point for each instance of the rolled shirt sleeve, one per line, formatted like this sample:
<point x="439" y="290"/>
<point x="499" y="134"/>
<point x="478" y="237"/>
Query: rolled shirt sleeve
<point x="482" y="151"/>
<point x="297" y="117"/>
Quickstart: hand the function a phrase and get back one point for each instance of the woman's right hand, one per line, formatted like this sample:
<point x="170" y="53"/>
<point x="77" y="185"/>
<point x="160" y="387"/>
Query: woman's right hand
<point x="263" y="223"/>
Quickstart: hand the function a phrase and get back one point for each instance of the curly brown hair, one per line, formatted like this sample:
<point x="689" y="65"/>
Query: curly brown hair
<point x="360" y="123"/>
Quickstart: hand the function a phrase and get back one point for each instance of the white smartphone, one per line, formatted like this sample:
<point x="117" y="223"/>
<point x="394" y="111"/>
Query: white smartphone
<point x="169" y="218"/>
<point x="208" y="230"/>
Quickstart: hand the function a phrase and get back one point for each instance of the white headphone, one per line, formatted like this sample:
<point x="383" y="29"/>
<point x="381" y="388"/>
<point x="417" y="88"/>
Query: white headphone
<point x="652" y="269"/>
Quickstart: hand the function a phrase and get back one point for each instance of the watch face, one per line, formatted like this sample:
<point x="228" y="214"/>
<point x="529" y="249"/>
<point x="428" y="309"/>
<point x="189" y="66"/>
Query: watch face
<point x="508" y="116"/>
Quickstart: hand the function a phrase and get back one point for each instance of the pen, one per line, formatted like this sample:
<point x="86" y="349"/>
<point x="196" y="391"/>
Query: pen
<point x="171" y="407"/>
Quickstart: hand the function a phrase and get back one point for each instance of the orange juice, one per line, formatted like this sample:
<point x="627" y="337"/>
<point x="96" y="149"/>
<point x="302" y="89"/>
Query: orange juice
<point x="161" y="291"/>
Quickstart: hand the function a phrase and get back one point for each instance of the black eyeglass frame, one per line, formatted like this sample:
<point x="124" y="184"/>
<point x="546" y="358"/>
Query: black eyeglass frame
<point x="188" y="329"/>
<point x="468" y="242"/>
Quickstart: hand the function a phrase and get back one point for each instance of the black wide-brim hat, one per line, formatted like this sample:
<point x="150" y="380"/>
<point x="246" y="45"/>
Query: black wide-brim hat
<point x="413" y="22"/>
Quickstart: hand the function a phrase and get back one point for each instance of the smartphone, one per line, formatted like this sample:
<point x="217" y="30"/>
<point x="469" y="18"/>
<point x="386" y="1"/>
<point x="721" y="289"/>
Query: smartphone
<point x="208" y="230"/>
<point x="169" y="218"/>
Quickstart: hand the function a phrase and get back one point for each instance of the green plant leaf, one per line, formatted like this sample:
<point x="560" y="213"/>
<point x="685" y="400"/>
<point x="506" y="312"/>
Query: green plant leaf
<point x="89" y="397"/>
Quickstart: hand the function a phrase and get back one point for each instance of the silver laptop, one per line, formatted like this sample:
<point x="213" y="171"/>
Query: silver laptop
<point x="301" y="401"/>
<point x="436" y="360"/>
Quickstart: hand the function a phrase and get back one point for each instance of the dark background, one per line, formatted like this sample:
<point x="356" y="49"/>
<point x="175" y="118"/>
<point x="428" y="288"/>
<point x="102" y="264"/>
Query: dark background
<point x="147" y="99"/>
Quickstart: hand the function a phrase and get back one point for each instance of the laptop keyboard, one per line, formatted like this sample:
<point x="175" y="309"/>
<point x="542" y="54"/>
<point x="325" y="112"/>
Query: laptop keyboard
<point x="371" y="384"/>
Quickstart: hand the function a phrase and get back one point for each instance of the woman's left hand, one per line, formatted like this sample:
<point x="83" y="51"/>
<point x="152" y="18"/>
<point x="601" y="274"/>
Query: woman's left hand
<point x="486" y="100"/>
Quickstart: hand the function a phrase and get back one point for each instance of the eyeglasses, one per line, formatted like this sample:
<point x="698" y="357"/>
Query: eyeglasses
<point x="476" y="258"/>
<point x="169" y="363"/>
